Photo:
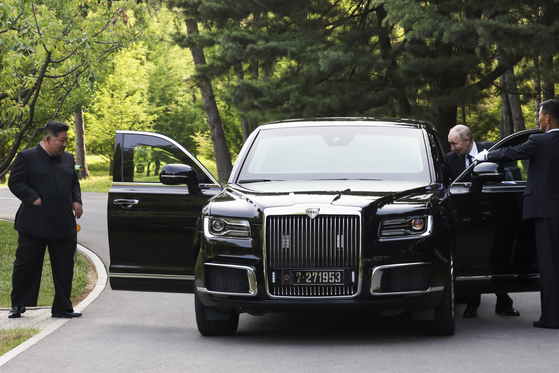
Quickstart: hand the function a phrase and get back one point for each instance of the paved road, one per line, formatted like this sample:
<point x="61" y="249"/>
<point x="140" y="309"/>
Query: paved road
<point x="151" y="332"/>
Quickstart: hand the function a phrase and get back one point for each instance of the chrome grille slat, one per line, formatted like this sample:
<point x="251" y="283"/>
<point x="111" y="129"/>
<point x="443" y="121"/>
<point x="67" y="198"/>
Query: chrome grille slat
<point x="297" y="241"/>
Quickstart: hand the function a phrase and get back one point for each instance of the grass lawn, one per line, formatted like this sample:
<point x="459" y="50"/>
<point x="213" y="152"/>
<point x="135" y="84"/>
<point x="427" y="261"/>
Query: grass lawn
<point x="11" y="338"/>
<point x="8" y="244"/>
<point x="99" y="180"/>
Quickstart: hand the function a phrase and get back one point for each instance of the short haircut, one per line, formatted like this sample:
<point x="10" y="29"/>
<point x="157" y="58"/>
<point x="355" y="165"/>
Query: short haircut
<point x="53" y="128"/>
<point x="462" y="131"/>
<point x="551" y="108"/>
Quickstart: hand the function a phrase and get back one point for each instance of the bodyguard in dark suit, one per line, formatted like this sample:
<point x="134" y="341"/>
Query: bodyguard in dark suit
<point x="45" y="181"/>
<point x="464" y="151"/>
<point x="541" y="203"/>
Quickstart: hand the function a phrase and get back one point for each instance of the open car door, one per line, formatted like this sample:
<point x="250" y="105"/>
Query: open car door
<point x="151" y="225"/>
<point x="495" y="248"/>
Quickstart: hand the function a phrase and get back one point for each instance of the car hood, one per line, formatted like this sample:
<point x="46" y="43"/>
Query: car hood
<point x="250" y="200"/>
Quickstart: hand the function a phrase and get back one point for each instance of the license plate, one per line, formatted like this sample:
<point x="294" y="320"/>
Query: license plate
<point x="318" y="277"/>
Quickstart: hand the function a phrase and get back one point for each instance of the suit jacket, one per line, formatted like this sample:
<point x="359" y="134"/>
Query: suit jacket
<point x="454" y="165"/>
<point x="36" y="174"/>
<point x="541" y="197"/>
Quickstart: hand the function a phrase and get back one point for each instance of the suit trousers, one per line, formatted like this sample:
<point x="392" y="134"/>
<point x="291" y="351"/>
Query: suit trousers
<point x="28" y="267"/>
<point x="503" y="300"/>
<point x="547" y="243"/>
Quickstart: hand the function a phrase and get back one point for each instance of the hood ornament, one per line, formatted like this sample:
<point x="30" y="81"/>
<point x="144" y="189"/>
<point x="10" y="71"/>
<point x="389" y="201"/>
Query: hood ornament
<point x="312" y="212"/>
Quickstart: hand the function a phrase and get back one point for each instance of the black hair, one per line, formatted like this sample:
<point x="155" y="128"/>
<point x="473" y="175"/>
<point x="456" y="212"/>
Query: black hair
<point x="53" y="128"/>
<point x="551" y="108"/>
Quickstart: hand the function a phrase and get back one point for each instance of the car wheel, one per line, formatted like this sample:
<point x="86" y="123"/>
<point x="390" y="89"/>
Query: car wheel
<point x="214" y="321"/>
<point x="444" y="321"/>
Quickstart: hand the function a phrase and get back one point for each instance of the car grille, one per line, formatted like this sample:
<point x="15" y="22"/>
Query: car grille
<point x="325" y="242"/>
<point x="226" y="280"/>
<point x="406" y="278"/>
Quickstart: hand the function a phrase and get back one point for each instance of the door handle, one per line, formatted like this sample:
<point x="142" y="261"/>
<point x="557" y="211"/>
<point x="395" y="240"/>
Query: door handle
<point x="126" y="203"/>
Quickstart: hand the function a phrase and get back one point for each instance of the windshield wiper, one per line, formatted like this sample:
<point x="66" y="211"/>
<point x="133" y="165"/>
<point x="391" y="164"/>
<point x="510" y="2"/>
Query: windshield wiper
<point x="248" y="181"/>
<point x="345" y="179"/>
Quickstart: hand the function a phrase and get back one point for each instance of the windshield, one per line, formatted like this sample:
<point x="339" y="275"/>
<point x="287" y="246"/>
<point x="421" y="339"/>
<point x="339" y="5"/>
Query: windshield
<point x="334" y="153"/>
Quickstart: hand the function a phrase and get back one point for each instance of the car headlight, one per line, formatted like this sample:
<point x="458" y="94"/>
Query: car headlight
<point x="408" y="227"/>
<point x="226" y="227"/>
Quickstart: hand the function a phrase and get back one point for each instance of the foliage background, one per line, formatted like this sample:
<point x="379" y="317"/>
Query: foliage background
<point x="486" y="64"/>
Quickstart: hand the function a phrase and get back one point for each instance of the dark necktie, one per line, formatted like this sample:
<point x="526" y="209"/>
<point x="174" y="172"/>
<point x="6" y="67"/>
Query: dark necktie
<point x="470" y="159"/>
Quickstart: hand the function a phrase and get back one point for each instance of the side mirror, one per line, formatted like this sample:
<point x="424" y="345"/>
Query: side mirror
<point x="486" y="172"/>
<point x="176" y="174"/>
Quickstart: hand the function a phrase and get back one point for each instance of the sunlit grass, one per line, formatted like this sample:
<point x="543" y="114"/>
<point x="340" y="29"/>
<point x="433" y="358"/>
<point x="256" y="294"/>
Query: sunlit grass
<point x="99" y="180"/>
<point x="99" y="184"/>
<point x="11" y="338"/>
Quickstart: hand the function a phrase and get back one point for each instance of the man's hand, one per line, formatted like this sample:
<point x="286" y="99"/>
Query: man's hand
<point x="38" y="202"/>
<point x="481" y="156"/>
<point x="78" y="210"/>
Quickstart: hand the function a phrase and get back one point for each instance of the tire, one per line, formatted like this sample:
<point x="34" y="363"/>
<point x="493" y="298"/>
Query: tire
<point x="444" y="321"/>
<point x="214" y="321"/>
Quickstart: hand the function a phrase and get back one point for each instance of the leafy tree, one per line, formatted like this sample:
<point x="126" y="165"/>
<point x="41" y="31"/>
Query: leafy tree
<point x="455" y="50"/>
<point x="407" y="58"/>
<point x="121" y="101"/>
<point x="51" y="52"/>
<point x="191" y="40"/>
<point x="180" y="110"/>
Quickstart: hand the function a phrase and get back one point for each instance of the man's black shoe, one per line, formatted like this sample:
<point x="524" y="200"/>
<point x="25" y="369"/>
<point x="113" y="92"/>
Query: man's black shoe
<point x="16" y="312"/>
<point x="537" y="324"/>
<point x="506" y="311"/>
<point x="66" y="315"/>
<point x="469" y="313"/>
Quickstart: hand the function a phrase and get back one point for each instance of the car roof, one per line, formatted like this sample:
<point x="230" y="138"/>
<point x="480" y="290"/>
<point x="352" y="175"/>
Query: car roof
<point x="336" y="121"/>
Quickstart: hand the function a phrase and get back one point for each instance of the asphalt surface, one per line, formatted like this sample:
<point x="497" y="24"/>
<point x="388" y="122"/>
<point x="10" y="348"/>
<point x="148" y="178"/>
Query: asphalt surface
<point x="153" y="332"/>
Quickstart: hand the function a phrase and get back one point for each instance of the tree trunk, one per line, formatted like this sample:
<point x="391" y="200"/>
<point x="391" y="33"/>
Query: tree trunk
<point x="444" y="118"/>
<point x="245" y="126"/>
<point x="222" y="156"/>
<point x="387" y="54"/>
<point x="507" y="124"/>
<point x="514" y="101"/>
<point x="548" y="84"/>
<point x="80" y="143"/>
<point x="254" y="76"/>
<point x="537" y="87"/>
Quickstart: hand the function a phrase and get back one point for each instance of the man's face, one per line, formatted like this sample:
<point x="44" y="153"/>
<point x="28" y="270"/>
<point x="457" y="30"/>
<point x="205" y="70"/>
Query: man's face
<point x="544" y="120"/>
<point x="56" y="145"/>
<point x="460" y="147"/>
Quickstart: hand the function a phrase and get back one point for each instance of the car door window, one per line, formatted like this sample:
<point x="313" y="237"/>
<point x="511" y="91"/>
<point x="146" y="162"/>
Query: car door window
<point x="148" y="161"/>
<point x="145" y="155"/>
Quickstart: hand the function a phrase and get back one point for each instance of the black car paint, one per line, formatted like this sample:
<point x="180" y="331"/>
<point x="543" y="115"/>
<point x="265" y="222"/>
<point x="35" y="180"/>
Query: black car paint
<point x="233" y="202"/>
<point x="460" y="216"/>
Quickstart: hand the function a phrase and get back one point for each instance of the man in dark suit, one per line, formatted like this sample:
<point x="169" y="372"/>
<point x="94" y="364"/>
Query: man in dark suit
<point x="464" y="150"/>
<point x="541" y="203"/>
<point x="45" y="181"/>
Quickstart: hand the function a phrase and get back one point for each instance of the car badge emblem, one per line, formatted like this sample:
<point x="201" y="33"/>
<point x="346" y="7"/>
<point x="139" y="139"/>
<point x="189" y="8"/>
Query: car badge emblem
<point x="312" y="212"/>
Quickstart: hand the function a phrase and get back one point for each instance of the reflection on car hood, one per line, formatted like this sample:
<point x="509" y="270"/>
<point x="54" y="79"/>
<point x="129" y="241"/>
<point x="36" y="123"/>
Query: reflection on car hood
<point x="358" y="193"/>
<point x="365" y="186"/>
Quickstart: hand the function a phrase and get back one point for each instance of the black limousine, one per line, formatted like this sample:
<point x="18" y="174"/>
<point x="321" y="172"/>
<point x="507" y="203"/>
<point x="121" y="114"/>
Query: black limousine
<point x="330" y="212"/>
